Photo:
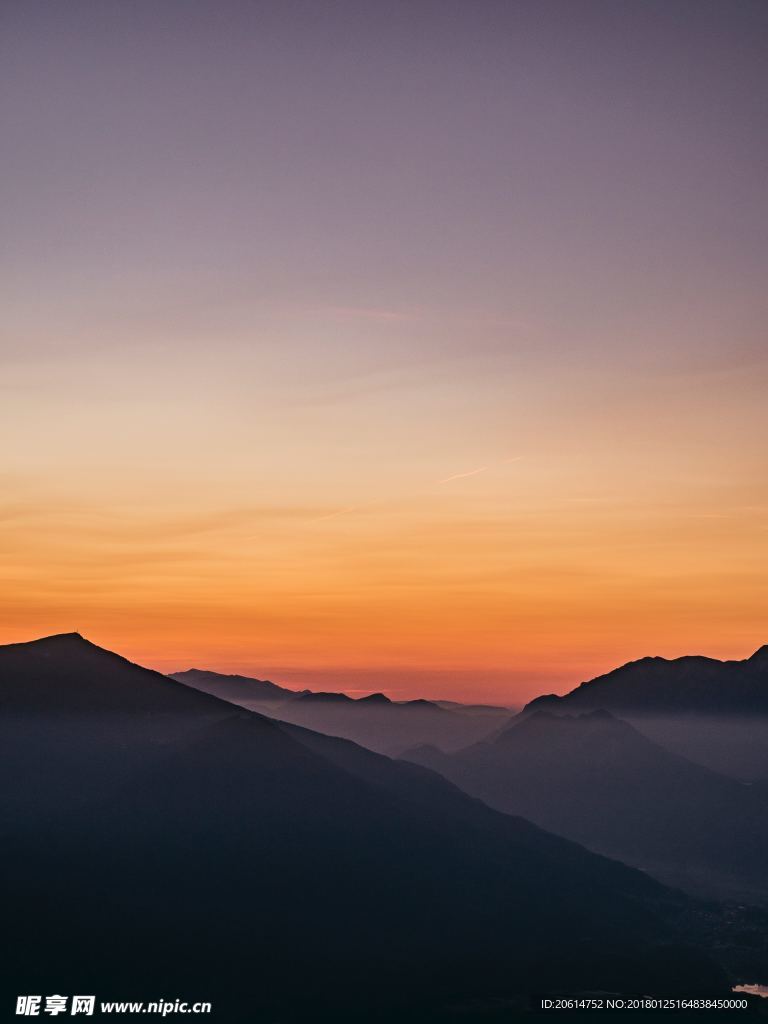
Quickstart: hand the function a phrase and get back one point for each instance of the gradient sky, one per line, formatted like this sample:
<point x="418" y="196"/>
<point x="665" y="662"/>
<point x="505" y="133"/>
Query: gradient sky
<point x="386" y="345"/>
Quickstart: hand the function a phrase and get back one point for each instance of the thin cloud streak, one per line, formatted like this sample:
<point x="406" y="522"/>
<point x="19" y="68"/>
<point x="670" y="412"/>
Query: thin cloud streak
<point x="345" y="511"/>
<point x="480" y="469"/>
<point x="460" y="476"/>
<point x="379" y="501"/>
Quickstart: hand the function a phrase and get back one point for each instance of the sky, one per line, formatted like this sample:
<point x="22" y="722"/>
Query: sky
<point x="406" y="346"/>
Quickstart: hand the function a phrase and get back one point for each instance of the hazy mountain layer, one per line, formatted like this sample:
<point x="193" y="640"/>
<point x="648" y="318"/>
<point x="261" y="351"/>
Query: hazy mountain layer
<point x="159" y="842"/>
<point x="375" y="721"/>
<point x="597" y="780"/>
<point x="713" y="712"/>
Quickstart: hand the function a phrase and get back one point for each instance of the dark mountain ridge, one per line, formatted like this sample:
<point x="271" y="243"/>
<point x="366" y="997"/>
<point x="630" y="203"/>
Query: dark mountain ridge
<point x="66" y="672"/>
<point x="172" y="842"/>
<point x="688" y="685"/>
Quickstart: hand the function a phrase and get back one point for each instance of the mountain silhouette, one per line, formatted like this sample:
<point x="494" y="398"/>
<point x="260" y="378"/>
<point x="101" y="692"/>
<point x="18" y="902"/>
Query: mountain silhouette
<point x="235" y="688"/>
<point x="375" y="698"/>
<point x="597" y="780"/>
<point x="713" y="712"/>
<point x="689" y="685"/>
<point x="321" y="697"/>
<point x="375" y="721"/>
<point x="159" y="840"/>
<point x="68" y="673"/>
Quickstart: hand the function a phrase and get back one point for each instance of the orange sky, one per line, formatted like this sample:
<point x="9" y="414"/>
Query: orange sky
<point x="433" y="362"/>
<point x="334" y="545"/>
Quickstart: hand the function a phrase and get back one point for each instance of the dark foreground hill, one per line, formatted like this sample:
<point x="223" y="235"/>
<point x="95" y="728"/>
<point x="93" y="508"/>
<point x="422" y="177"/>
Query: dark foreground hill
<point x="713" y="712"/>
<point x="158" y="843"/>
<point x="597" y="780"/>
<point x="375" y="721"/>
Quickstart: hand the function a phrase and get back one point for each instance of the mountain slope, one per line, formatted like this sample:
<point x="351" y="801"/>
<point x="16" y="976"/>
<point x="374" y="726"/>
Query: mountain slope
<point x="375" y="721"/>
<point x="238" y="689"/>
<point x="597" y="780"/>
<point x="712" y="712"/>
<point x="208" y="852"/>
<point x="690" y="685"/>
<point x="68" y="673"/>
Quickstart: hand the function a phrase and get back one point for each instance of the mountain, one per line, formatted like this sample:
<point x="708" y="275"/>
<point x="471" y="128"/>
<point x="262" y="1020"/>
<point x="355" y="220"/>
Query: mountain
<point x="712" y="712"/>
<point x="597" y="780"/>
<point x="476" y="709"/>
<point x="238" y="689"/>
<point x="66" y="673"/>
<point x="160" y="843"/>
<point x="375" y="721"/>
<point x="322" y="697"/>
<point x="375" y="698"/>
<point x="689" y="685"/>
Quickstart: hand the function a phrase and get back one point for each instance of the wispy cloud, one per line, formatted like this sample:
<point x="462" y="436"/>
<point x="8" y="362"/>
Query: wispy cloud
<point x="379" y="501"/>
<point x="480" y="469"/>
<point x="348" y="509"/>
<point x="460" y="476"/>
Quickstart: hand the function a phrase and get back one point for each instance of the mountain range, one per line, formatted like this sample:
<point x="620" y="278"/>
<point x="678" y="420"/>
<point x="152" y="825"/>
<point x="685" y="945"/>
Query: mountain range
<point x="597" y="780"/>
<point x="713" y="712"/>
<point x="160" y="841"/>
<point x="375" y="721"/>
<point x="689" y="685"/>
<point x="243" y="690"/>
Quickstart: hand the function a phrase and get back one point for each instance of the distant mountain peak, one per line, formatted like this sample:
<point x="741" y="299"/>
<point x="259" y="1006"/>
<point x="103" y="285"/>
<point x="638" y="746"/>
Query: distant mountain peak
<point x="598" y="723"/>
<point x="374" y="698"/>
<point x="544" y="700"/>
<point x="232" y="687"/>
<point x="192" y="673"/>
<point x="59" y="638"/>
<point x="322" y="697"/>
<point x="692" y="683"/>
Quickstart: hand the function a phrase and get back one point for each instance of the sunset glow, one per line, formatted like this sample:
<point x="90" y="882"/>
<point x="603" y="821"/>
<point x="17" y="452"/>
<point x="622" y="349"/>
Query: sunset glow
<point x="471" y="405"/>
